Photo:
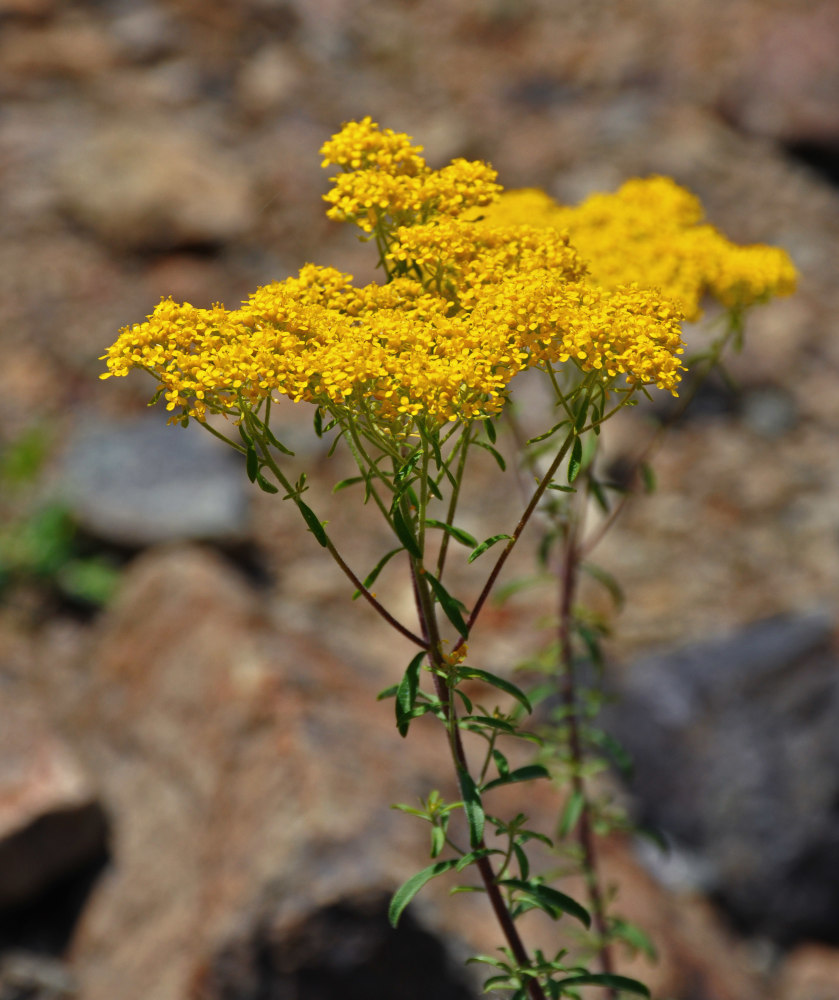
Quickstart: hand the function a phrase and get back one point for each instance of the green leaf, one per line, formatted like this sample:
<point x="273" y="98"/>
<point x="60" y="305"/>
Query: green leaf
<point x="527" y="773"/>
<point x="550" y="900"/>
<point x="599" y="494"/>
<point x="275" y="441"/>
<point x="495" y="454"/>
<point x="451" y="607"/>
<point x="580" y="414"/>
<point x="561" y="488"/>
<point x="647" y="477"/>
<point x="467" y="702"/>
<point x="404" y="533"/>
<point x="406" y="892"/>
<point x="547" y="434"/>
<point x="606" y="580"/>
<point x="476" y="723"/>
<point x="571" y="813"/>
<point x="252" y="463"/>
<point x="508" y="687"/>
<point x="489" y="427"/>
<point x="318" y="422"/>
<point x="606" y="979"/>
<point x="344" y="483"/>
<point x="458" y="534"/>
<point x="521" y="857"/>
<point x="388" y="692"/>
<point x="576" y="460"/>
<point x="405" y="470"/>
<point x="501" y="762"/>
<point x="372" y="576"/>
<point x="438" y="840"/>
<point x="314" y="524"/>
<point x="486" y="544"/>
<point x="633" y="936"/>
<point x="472" y="805"/>
<point x="243" y="433"/>
<point x="406" y="694"/>
<point x="265" y="484"/>
<point x="433" y="489"/>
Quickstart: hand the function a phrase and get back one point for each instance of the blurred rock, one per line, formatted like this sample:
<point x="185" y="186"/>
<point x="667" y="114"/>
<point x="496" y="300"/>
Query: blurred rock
<point x="29" y="976"/>
<point x="267" y="80"/>
<point x="787" y="82"/>
<point x="736" y="756"/>
<point x="810" y="972"/>
<point x="140" y="482"/>
<point x="51" y="822"/>
<point x="154" y="185"/>
<point x="347" y="949"/>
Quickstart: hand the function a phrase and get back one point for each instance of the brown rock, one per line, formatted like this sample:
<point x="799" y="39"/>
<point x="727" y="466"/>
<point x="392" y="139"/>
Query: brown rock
<point x="811" y="972"/>
<point x="50" y="819"/>
<point x="151" y="184"/>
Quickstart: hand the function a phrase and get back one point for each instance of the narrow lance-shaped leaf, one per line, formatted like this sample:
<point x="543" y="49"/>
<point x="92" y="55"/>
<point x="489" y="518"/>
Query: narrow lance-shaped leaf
<point x="551" y="900"/>
<point x="571" y="813"/>
<point x="499" y="682"/>
<point x="472" y="805"/>
<point x="406" y="694"/>
<point x="451" y="607"/>
<point x="576" y="460"/>
<point x="487" y="543"/>
<point x="252" y="463"/>
<point x="527" y="773"/>
<point x="406" y="892"/>
<point x="373" y="575"/>
<point x="606" y="979"/>
<point x="265" y="484"/>
<point x="458" y="534"/>
<point x="494" y="452"/>
<point x="314" y="524"/>
<point x="404" y="533"/>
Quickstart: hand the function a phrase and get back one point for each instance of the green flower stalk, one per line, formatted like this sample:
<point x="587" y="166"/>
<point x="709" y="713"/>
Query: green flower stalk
<point x="412" y="374"/>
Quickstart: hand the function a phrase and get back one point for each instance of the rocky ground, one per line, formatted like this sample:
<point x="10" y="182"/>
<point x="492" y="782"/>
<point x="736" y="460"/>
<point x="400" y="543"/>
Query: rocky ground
<point x="194" y="778"/>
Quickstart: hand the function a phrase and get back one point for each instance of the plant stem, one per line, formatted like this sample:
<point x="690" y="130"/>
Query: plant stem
<point x="430" y="631"/>
<point x="365" y="593"/>
<point x="499" y="563"/>
<point x="568" y="578"/>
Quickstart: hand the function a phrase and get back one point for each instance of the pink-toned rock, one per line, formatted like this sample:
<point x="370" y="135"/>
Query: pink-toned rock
<point x="50" y="820"/>
<point x="810" y="972"/>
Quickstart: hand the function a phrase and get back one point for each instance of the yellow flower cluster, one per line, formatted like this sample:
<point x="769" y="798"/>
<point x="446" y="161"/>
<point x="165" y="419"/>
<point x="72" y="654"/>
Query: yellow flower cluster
<point x="389" y="181"/>
<point x="650" y="232"/>
<point x="394" y="352"/>
<point x="478" y="289"/>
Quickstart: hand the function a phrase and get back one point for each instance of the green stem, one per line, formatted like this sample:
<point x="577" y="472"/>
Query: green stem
<point x="463" y="445"/>
<point x="365" y="593"/>
<point x="713" y="358"/>
<point x="431" y="633"/>
<point x="568" y="579"/>
<point x="508" y="548"/>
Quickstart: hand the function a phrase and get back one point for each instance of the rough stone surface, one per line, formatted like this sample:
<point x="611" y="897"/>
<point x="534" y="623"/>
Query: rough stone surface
<point x="140" y="482"/>
<point x="148" y="184"/>
<point x="51" y="822"/>
<point x="736" y="757"/>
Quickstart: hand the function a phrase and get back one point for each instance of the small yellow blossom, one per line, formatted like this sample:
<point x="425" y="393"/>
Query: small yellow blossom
<point x="650" y="232"/>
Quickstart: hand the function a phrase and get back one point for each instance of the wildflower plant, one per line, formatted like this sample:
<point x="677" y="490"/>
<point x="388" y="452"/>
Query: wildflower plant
<point x="414" y="373"/>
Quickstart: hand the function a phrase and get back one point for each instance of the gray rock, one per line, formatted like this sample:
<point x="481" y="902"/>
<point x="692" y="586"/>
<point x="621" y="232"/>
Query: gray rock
<point x="29" y="976"/>
<point x="736" y="752"/>
<point x="141" y="482"/>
